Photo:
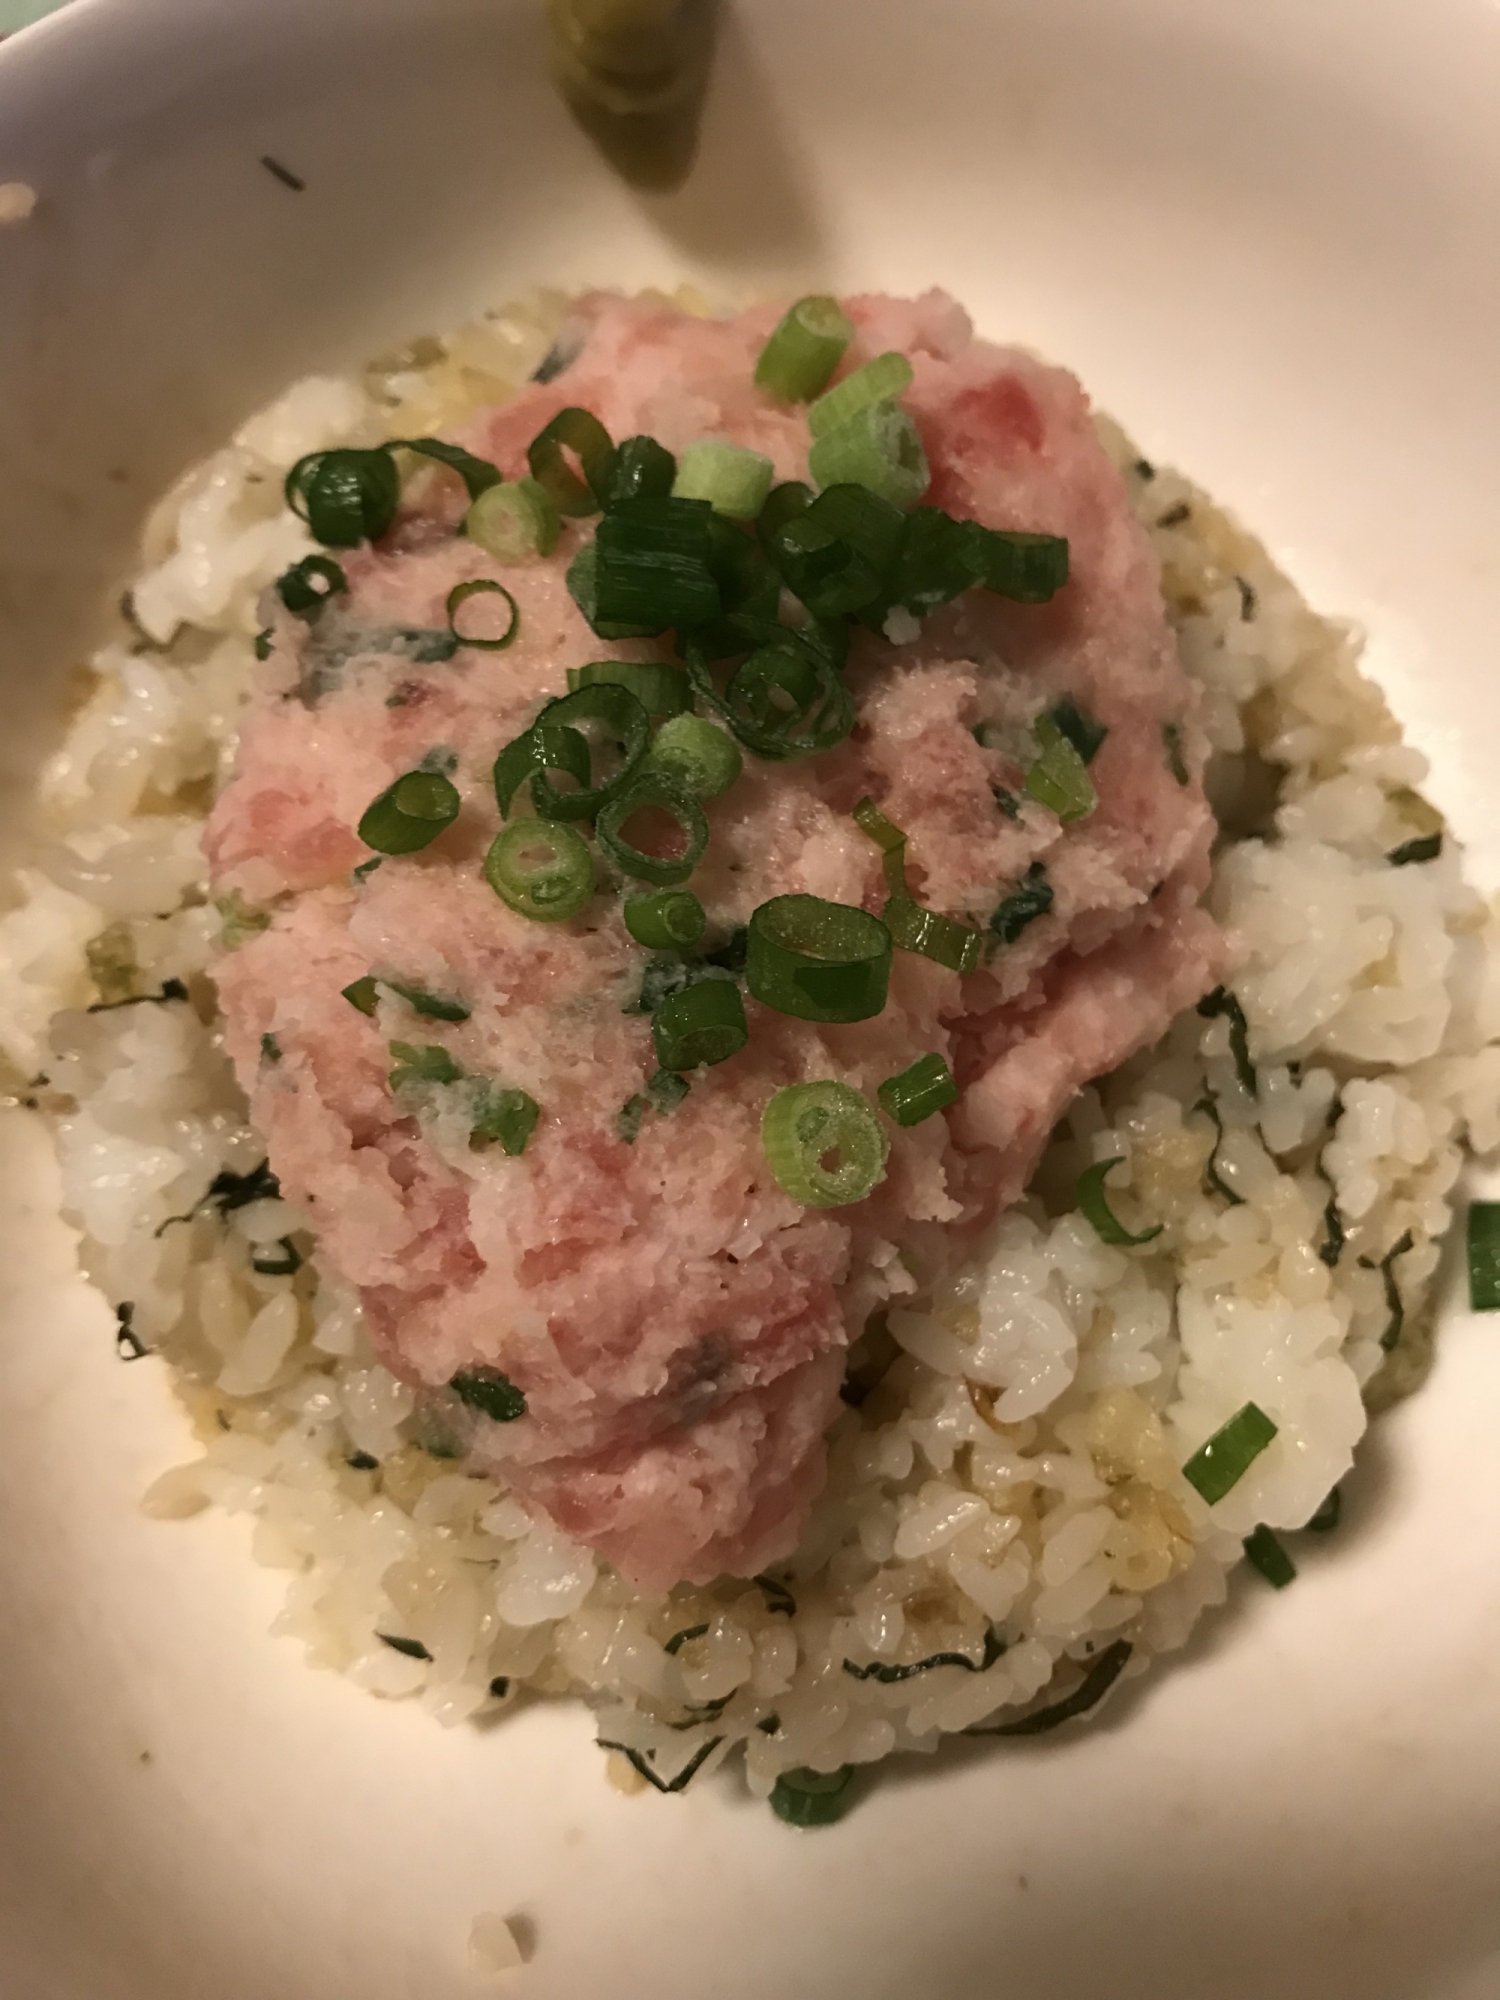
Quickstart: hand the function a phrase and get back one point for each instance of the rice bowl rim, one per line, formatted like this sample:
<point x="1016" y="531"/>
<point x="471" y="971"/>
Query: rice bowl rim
<point x="1438" y="1445"/>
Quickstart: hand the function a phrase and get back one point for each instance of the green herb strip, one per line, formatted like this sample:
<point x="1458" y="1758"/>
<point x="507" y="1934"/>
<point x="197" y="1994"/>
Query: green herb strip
<point x="1091" y="1690"/>
<point x="1426" y="847"/>
<point x="1221" y="1462"/>
<point x="1030" y="899"/>
<point x="1221" y="1002"/>
<point x="1094" y="1205"/>
<point x="642" y="1769"/>
<point x="889" y="1676"/>
<point x="1483" y="1234"/>
<point x="1395" y="1305"/>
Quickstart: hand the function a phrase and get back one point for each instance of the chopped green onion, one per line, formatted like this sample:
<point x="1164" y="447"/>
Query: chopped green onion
<point x="1082" y="731"/>
<point x="880" y="448"/>
<point x="410" y="814"/>
<point x="1090" y="1691"/>
<point x="916" y="1093"/>
<point x="411" y="1649"/>
<point x="664" y="1091"/>
<point x="555" y="740"/>
<point x="667" y="920"/>
<point x="783" y="503"/>
<point x="1171" y="738"/>
<point x="662" y="976"/>
<point x="1426" y="847"/>
<point x="513" y="520"/>
<point x="826" y="571"/>
<point x="650" y="570"/>
<point x="870" y="525"/>
<point x="346" y="496"/>
<point x="1484" y="1256"/>
<point x="887" y="376"/>
<point x="1326" y="1519"/>
<point x="270" y="1049"/>
<point x="521" y="759"/>
<point x="431" y="1005"/>
<point x="264" y="639"/>
<point x="307" y="586"/>
<point x="503" y="1117"/>
<point x="702" y="1024"/>
<point x="540" y="869"/>
<point x="660" y="689"/>
<point x="1059" y="779"/>
<point x="930" y="934"/>
<point x="1028" y="568"/>
<point x="1221" y="1463"/>
<point x="580" y="432"/>
<point x="489" y="1392"/>
<point x="367" y="868"/>
<point x="817" y="960"/>
<point x="643" y="470"/>
<point x="812" y="1798"/>
<point x="1095" y="1208"/>
<point x="1264" y="1552"/>
<point x="802" y="353"/>
<point x="785" y="700"/>
<point x="1222" y="1002"/>
<point x="477" y="474"/>
<point x="482" y="586"/>
<point x="422" y="1063"/>
<point x="732" y="479"/>
<point x="942" y="939"/>
<point x="824" y="1143"/>
<point x="363" y="994"/>
<point x="695" y="755"/>
<point x="648" y="790"/>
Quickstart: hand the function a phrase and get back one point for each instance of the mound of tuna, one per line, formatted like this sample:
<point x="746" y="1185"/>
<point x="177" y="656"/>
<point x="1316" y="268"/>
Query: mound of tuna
<point x="674" y="1319"/>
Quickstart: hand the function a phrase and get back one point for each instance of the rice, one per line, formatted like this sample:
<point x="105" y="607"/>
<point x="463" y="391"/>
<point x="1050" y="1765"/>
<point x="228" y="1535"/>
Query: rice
<point x="1006" y="1521"/>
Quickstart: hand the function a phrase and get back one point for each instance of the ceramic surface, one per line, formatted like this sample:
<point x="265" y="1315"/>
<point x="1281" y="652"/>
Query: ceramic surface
<point x="1264" y="236"/>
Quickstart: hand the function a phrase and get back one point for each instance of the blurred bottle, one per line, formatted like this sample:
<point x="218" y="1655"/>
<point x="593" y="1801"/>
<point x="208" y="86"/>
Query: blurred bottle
<point x="634" y="73"/>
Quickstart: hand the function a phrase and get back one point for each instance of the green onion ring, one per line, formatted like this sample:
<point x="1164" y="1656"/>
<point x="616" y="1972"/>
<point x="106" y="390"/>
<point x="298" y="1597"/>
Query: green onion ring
<point x="583" y="434"/>
<point x="660" y="689"/>
<point x="918" y="1091"/>
<point x="541" y="869"/>
<point x="296" y="590"/>
<point x="824" y="1143"/>
<point x="410" y="814"/>
<point x="665" y="920"/>
<point x="650" y="789"/>
<point x="345" y="496"/>
<point x="702" y="1024"/>
<point x="1219" y="1464"/>
<point x="817" y="960"/>
<point x="482" y="587"/>
<point x="621" y="714"/>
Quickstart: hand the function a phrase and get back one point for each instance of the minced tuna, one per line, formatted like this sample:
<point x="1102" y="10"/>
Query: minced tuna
<point x="668" y="1320"/>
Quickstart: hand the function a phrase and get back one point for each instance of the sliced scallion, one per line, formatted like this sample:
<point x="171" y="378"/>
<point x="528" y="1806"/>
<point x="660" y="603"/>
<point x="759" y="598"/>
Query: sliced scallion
<point x="817" y="960"/>
<point x="513" y="521"/>
<point x="346" y="496"/>
<point x="490" y="1392"/>
<point x="1483" y="1233"/>
<point x="1094" y="1205"/>
<point x="809" y="1798"/>
<point x="825" y="570"/>
<point x="1081" y="729"/>
<point x="424" y="1062"/>
<point x="556" y="735"/>
<point x="731" y="478"/>
<point x="581" y="433"/>
<point x="695" y="755"/>
<point x="650" y="791"/>
<point x="307" y="586"/>
<point x="802" y="353"/>
<point x="783" y="503"/>
<point x="824" y="1143"/>
<point x="1171" y="743"/>
<point x="643" y="470"/>
<point x="887" y="376"/>
<point x="651" y="569"/>
<point x="264" y="640"/>
<point x="881" y="448"/>
<point x="659" y="688"/>
<point x="482" y="586"/>
<point x="503" y="1116"/>
<point x="1263" y="1550"/>
<point x="410" y="814"/>
<point x="665" y="919"/>
<point x="1059" y="778"/>
<point x="784" y="700"/>
<point x="1028" y="568"/>
<point x="702" y="1024"/>
<point x="947" y="942"/>
<point x="1426" y="847"/>
<point x="541" y="869"/>
<point x="477" y="474"/>
<point x="1222" y="1462"/>
<point x="917" y="1092"/>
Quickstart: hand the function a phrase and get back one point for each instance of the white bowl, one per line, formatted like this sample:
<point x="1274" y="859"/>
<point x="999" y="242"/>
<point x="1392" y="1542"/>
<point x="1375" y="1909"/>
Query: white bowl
<point x="1265" y="237"/>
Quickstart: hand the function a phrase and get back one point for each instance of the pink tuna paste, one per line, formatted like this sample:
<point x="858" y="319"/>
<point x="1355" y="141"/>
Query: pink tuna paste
<point x="677" y="1322"/>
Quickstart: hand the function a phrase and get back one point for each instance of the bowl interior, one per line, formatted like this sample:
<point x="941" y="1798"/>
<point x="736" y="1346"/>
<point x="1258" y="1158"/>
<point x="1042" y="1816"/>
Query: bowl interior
<point x="1263" y="239"/>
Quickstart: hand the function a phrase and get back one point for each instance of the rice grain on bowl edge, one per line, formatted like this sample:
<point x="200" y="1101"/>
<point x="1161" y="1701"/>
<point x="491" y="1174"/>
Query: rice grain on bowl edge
<point x="1006" y="1527"/>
